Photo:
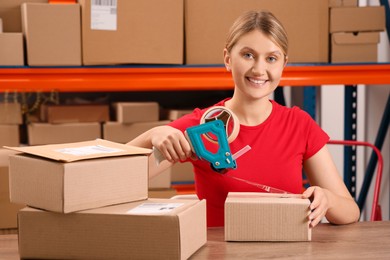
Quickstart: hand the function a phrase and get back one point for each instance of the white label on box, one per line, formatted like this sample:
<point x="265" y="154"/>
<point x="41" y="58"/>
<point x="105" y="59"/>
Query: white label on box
<point x="103" y="15"/>
<point x="88" y="150"/>
<point x="154" y="208"/>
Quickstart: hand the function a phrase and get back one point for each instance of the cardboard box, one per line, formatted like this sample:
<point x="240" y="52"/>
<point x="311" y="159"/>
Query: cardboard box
<point x="45" y="133"/>
<point x="357" y="19"/>
<point x="11" y="49"/>
<point x="135" y="112"/>
<point x="9" y="135"/>
<point x="163" y="180"/>
<point x="173" y="114"/>
<point x="123" y="133"/>
<point x="253" y="216"/>
<point x="10" y="113"/>
<point x="342" y="3"/>
<point x="10" y="13"/>
<point x="78" y="176"/>
<point x="151" y="229"/>
<point x="8" y="215"/>
<point x="52" y="33"/>
<point x="207" y="26"/>
<point x="75" y="113"/>
<point x="355" y="47"/>
<point x="147" y="31"/>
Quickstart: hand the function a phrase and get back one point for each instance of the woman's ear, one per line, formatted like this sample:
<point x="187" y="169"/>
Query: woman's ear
<point x="285" y="61"/>
<point x="226" y="59"/>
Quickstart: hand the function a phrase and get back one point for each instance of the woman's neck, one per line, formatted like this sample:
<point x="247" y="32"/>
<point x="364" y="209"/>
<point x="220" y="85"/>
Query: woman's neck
<point x="250" y="113"/>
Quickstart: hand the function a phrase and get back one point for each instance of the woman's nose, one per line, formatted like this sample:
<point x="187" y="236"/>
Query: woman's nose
<point x="259" y="67"/>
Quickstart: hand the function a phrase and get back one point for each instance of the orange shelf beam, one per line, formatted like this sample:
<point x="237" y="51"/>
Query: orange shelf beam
<point x="182" y="78"/>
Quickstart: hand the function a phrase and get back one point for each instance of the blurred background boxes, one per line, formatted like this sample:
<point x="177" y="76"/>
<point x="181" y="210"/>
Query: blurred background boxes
<point x="10" y="13"/>
<point x="52" y="33"/>
<point x="45" y="133"/>
<point x="11" y="49"/>
<point x="75" y="113"/>
<point x="137" y="31"/>
<point x="134" y="112"/>
<point x="207" y="24"/>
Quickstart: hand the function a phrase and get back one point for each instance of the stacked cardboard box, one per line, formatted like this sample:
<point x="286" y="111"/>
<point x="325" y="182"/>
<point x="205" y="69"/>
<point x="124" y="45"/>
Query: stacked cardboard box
<point x="8" y="209"/>
<point x="89" y="200"/>
<point x="355" y="32"/>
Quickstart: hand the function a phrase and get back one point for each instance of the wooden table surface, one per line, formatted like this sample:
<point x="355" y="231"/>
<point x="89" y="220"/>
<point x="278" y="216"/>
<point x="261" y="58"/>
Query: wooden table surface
<point x="362" y="240"/>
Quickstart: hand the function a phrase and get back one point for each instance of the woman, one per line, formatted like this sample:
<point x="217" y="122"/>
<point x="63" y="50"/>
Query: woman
<point x="282" y="140"/>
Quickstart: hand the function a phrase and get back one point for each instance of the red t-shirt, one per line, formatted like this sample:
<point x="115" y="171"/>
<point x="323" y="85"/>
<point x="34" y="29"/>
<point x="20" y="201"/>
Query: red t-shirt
<point x="279" y="146"/>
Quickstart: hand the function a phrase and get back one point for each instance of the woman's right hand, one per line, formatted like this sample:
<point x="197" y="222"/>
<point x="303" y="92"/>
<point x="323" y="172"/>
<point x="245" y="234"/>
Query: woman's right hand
<point x="171" y="143"/>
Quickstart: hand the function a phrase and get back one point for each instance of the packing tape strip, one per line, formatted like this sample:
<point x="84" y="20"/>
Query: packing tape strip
<point x="229" y="118"/>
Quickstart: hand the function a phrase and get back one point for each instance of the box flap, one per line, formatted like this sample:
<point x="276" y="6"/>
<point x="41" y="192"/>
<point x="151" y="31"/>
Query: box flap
<point x="356" y="38"/>
<point x="70" y="152"/>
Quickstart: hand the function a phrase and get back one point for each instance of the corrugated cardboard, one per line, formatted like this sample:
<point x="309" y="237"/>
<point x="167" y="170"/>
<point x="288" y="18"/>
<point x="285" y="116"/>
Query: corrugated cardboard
<point x="207" y="24"/>
<point x="45" y="133"/>
<point x="11" y="15"/>
<point x="9" y="135"/>
<point x="126" y="231"/>
<point x="75" y="113"/>
<point x="355" y="47"/>
<point x="139" y="31"/>
<point x="8" y="210"/>
<point x="162" y="180"/>
<point x="77" y="176"/>
<point x="52" y="33"/>
<point x="266" y="217"/>
<point x="357" y="19"/>
<point x="173" y="114"/>
<point x="135" y="112"/>
<point x="11" y="49"/>
<point x="10" y="113"/>
<point x="123" y="133"/>
<point x="342" y="3"/>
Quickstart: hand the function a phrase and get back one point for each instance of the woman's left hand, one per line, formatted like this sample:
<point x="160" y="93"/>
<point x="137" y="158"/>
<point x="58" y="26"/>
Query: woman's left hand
<point x="319" y="204"/>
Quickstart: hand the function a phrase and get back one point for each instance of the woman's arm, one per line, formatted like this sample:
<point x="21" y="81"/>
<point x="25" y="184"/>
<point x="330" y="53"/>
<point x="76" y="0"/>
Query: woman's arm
<point x="330" y="197"/>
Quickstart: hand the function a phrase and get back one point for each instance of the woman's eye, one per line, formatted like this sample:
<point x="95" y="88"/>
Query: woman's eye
<point x="272" y="59"/>
<point x="248" y="55"/>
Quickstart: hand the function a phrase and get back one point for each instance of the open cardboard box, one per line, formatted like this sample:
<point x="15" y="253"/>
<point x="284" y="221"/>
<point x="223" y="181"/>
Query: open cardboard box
<point x="251" y="216"/>
<point x="78" y="176"/>
<point x="149" y="229"/>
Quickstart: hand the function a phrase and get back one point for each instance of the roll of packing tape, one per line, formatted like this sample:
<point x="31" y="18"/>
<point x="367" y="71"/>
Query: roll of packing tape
<point x="230" y="120"/>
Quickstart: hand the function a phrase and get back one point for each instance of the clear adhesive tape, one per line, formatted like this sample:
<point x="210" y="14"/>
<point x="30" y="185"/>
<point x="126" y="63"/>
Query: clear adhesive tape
<point x="230" y="120"/>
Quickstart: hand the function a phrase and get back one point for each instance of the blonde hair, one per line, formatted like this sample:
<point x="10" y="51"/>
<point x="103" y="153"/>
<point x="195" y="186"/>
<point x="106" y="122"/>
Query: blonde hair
<point x="263" y="21"/>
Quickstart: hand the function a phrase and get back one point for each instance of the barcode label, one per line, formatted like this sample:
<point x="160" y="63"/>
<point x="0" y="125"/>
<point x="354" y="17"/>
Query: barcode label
<point x="104" y="2"/>
<point x="104" y="15"/>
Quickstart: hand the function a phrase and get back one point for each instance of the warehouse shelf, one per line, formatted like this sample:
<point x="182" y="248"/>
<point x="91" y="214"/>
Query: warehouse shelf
<point x="176" y="78"/>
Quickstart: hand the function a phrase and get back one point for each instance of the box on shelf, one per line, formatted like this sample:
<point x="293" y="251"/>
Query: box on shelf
<point x="342" y="3"/>
<point x="9" y="135"/>
<point x="123" y="33"/>
<point x="135" y="112"/>
<point x="182" y="172"/>
<point x="123" y="133"/>
<point x="10" y="113"/>
<point x="11" y="49"/>
<point x="266" y="217"/>
<point x="173" y="114"/>
<point x="52" y="34"/>
<point x="45" y="133"/>
<point x="77" y="176"/>
<point x="10" y="13"/>
<point x="354" y="47"/>
<point x="75" y="113"/>
<point x="149" y="229"/>
<point x="357" y="19"/>
<point x="306" y="22"/>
